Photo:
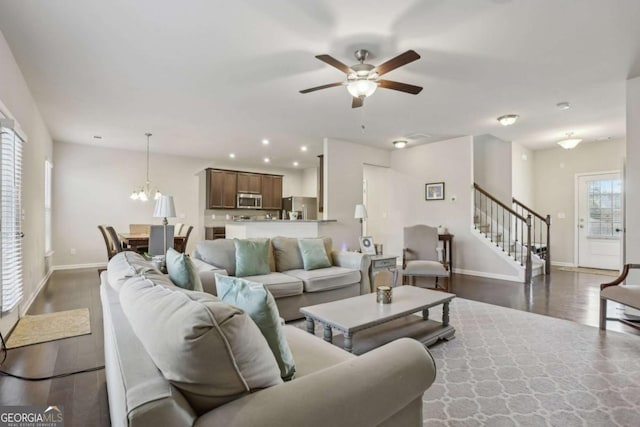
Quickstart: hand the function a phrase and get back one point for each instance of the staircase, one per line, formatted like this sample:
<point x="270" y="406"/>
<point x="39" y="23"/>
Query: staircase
<point x="519" y="232"/>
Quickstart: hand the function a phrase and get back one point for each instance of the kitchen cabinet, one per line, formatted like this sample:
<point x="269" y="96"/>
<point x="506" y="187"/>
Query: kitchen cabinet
<point x="271" y="192"/>
<point x="221" y="189"/>
<point x="249" y="183"/>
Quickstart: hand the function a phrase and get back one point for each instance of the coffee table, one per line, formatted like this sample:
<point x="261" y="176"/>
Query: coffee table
<point x="376" y="324"/>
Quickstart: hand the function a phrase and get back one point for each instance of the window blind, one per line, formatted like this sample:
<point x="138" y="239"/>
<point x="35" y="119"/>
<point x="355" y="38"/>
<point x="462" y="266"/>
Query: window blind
<point x="10" y="217"/>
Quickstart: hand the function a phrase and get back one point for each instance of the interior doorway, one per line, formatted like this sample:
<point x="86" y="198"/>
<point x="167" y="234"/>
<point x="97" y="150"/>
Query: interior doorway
<point x="599" y="222"/>
<point x="375" y="195"/>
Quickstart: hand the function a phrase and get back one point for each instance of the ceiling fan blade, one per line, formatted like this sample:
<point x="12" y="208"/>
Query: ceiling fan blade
<point x="313" y="89"/>
<point x="398" y="61"/>
<point x="357" y="102"/>
<point x="334" y="63"/>
<point x="402" y="87"/>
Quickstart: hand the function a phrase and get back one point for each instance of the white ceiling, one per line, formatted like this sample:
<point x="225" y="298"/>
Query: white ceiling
<point x="213" y="77"/>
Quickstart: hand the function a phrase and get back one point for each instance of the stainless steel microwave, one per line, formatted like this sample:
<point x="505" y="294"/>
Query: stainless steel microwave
<point x="249" y="201"/>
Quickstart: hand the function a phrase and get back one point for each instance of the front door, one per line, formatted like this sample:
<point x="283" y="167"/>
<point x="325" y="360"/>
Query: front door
<point x="599" y="220"/>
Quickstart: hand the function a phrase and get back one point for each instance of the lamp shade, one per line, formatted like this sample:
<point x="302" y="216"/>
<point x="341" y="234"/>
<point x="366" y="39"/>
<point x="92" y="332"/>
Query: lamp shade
<point x="165" y="208"/>
<point x="360" y="212"/>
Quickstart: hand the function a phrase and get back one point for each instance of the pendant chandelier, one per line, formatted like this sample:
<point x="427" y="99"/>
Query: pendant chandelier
<point x="145" y="192"/>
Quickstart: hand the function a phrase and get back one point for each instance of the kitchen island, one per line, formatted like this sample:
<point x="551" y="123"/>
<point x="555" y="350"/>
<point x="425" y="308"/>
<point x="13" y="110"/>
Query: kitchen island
<point x="243" y="229"/>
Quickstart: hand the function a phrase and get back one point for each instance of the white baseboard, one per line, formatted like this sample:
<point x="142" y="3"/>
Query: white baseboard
<point x="487" y="275"/>
<point x="562" y="264"/>
<point x="77" y="266"/>
<point x="27" y="304"/>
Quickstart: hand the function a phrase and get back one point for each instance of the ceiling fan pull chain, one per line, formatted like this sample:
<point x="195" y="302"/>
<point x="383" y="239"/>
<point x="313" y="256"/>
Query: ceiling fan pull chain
<point x="362" y="119"/>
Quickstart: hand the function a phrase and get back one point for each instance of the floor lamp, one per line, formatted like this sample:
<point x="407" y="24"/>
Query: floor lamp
<point x="165" y="209"/>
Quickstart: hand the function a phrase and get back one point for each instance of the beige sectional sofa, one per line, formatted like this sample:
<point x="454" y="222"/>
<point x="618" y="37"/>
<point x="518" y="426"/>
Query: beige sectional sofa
<point x="331" y="388"/>
<point x="291" y="286"/>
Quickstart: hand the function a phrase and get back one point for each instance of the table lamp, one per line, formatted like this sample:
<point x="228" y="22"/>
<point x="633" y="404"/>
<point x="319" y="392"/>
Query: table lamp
<point x="361" y="214"/>
<point x="165" y="209"/>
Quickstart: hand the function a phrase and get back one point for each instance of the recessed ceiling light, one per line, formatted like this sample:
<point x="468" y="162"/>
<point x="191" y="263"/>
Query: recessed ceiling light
<point x="303" y="148"/>
<point x="267" y="160"/>
<point x="295" y="163"/>
<point x="400" y="144"/>
<point x="265" y="142"/>
<point x="232" y="155"/>
<point x="563" y="105"/>
<point x="508" y="119"/>
<point x="97" y="137"/>
<point x="569" y="142"/>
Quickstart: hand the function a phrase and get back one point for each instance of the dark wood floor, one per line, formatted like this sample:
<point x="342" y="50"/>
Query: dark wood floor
<point x="567" y="295"/>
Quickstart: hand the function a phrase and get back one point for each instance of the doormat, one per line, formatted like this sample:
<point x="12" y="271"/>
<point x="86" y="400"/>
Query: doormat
<point x="50" y="327"/>
<point x="612" y="273"/>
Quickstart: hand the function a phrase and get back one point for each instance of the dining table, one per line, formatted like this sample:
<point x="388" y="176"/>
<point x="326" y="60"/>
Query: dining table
<point x="137" y="241"/>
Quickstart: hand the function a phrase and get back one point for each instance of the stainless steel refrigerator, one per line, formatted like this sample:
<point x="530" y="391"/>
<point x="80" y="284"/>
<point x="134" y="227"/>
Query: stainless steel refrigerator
<point x="307" y="207"/>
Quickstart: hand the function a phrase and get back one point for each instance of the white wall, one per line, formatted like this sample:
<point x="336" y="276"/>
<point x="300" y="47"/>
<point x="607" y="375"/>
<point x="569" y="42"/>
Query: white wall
<point x="92" y="186"/>
<point x="632" y="184"/>
<point x="414" y="167"/>
<point x="492" y="166"/>
<point x="554" y="172"/>
<point x="377" y="194"/>
<point x="343" y="175"/>
<point x="522" y="174"/>
<point x="18" y="101"/>
<point x="309" y="183"/>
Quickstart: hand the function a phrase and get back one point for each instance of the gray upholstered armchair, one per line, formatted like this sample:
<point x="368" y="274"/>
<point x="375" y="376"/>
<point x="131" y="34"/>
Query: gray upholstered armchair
<point x="420" y="256"/>
<point x="621" y="293"/>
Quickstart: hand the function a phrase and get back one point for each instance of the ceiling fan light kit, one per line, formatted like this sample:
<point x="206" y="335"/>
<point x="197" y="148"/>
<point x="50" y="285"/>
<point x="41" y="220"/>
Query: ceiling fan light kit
<point x="363" y="79"/>
<point x="569" y="142"/>
<point x="508" y="119"/>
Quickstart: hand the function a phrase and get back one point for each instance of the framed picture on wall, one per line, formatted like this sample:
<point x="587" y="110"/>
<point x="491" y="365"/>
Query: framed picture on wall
<point x="366" y="245"/>
<point x="434" y="191"/>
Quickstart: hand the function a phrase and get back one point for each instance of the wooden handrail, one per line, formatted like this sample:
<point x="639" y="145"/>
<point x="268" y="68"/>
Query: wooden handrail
<point x="507" y="208"/>
<point x="534" y="213"/>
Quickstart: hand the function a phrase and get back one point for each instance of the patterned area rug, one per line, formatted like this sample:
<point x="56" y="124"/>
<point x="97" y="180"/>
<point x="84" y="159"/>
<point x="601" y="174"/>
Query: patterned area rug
<point x="512" y="368"/>
<point x="598" y="271"/>
<point x="49" y="327"/>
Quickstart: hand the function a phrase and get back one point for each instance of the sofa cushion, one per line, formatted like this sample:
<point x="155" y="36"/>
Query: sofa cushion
<point x="182" y="272"/>
<point x="280" y="285"/>
<point x="325" y="279"/>
<point x="287" y="253"/>
<point x="209" y="350"/>
<point x="126" y="265"/>
<point x="252" y="257"/>
<point x="314" y="254"/>
<point x="220" y="253"/>
<point x="259" y="304"/>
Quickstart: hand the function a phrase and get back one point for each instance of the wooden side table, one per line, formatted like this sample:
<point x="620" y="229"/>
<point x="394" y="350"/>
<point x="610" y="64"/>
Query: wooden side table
<point x="447" y="250"/>
<point x="381" y="263"/>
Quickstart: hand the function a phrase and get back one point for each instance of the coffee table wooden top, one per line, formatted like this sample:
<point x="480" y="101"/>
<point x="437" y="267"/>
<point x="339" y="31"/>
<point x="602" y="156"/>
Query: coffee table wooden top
<point x="354" y="314"/>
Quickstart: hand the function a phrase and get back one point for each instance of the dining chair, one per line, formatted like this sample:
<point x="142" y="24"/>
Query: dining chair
<point x="421" y="258"/>
<point x="111" y="251"/>
<point x="139" y="228"/>
<point x="178" y="228"/>
<point x="115" y="240"/>
<point x="157" y="239"/>
<point x="183" y="245"/>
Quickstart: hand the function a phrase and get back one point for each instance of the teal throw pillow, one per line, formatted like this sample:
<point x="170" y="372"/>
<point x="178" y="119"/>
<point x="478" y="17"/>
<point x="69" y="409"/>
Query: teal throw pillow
<point x="314" y="254"/>
<point x="182" y="271"/>
<point x="252" y="257"/>
<point x="255" y="300"/>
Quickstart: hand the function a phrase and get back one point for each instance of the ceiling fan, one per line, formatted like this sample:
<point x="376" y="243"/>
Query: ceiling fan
<point x="363" y="79"/>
